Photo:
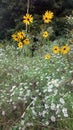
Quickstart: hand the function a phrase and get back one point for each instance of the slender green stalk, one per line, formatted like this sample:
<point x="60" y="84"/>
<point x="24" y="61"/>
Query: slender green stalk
<point x="28" y="3"/>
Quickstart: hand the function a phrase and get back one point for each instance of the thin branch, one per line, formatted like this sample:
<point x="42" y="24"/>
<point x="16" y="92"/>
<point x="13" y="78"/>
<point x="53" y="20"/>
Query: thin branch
<point x="28" y="4"/>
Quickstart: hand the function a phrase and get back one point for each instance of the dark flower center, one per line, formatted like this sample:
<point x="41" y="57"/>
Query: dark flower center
<point x="28" y="19"/>
<point x="64" y="48"/>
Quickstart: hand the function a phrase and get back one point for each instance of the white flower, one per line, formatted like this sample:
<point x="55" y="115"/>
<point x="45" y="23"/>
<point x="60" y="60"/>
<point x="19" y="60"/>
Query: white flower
<point x="34" y="113"/>
<point x="53" y="119"/>
<point x="46" y="97"/>
<point x="64" y="110"/>
<point x="53" y="107"/>
<point x="57" y="111"/>
<point x="19" y="98"/>
<point x="40" y="113"/>
<point x="14" y="107"/>
<point x="28" y="92"/>
<point x="37" y="90"/>
<point x="19" y="128"/>
<point x="29" y="124"/>
<point x="10" y="100"/>
<point x="54" y="81"/>
<point x="62" y="77"/>
<point x="21" y="84"/>
<point x="58" y="106"/>
<point x="72" y="82"/>
<point x="59" y="115"/>
<point x="65" y="114"/>
<point x="46" y="106"/>
<point x="50" y="88"/>
<point x="20" y="93"/>
<point x="62" y="101"/>
<point x="55" y="92"/>
<point x="13" y="87"/>
<point x="47" y="123"/>
<point x="39" y="93"/>
<point x="45" y="90"/>
<point x="57" y="84"/>
<point x="26" y="87"/>
<point x="3" y="113"/>
<point x="44" y="112"/>
<point x="37" y="83"/>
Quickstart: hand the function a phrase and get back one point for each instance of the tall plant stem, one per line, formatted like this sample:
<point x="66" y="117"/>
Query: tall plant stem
<point x="28" y="3"/>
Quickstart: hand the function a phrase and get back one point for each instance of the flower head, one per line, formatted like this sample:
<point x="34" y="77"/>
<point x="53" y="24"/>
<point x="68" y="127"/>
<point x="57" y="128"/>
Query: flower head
<point x="65" y="49"/>
<point x="26" y="41"/>
<point x="15" y="37"/>
<point x="47" y="56"/>
<point x="56" y="49"/>
<point x="18" y="36"/>
<point x="45" y="34"/>
<point x="21" y="35"/>
<point x="27" y="19"/>
<point x="53" y="119"/>
<point x="47" y="17"/>
<point x="20" y="44"/>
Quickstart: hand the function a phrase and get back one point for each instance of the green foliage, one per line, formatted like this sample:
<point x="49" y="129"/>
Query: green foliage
<point x="36" y="79"/>
<point x="30" y="86"/>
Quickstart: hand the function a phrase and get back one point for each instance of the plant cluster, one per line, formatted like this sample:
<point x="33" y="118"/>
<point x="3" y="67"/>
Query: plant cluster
<point x="23" y="38"/>
<point x="37" y="92"/>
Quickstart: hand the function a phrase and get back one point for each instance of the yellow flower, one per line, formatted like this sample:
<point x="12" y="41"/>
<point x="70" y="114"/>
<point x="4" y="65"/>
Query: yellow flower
<point x="20" y="44"/>
<point x="21" y="35"/>
<point x="27" y="19"/>
<point x="47" y="56"/>
<point x="56" y="49"/>
<point x="45" y="34"/>
<point x="65" y="49"/>
<point x="15" y="37"/>
<point x="26" y="41"/>
<point x="47" y="17"/>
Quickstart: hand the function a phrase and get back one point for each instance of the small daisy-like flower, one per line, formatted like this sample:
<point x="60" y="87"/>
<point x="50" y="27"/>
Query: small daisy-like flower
<point x="47" y="56"/>
<point x="45" y="34"/>
<point x="47" y="17"/>
<point x="21" y="35"/>
<point x="53" y="106"/>
<point x="56" y="49"/>
<point x="3" y="113"/>
<point x="26" y="41"/>
<point x="62" y="101"/>
<point x="65" y="49"/>
<point x="53" y="119"/>
<point x="15" y="37"/>
<point x="20" y="44"/>
<point x="27" y="19"/>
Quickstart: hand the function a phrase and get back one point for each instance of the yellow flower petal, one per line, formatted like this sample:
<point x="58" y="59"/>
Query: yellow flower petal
<point x="56" y="49"/>
<point x="27" y="19"/>
<point x="65" y="49"/>
<point x="26" y="41"/>
<point x="20" y="44"/>
<point x="47" y="17"/>
<point x="47" y="56"/>
<point x="45" y="34"/>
